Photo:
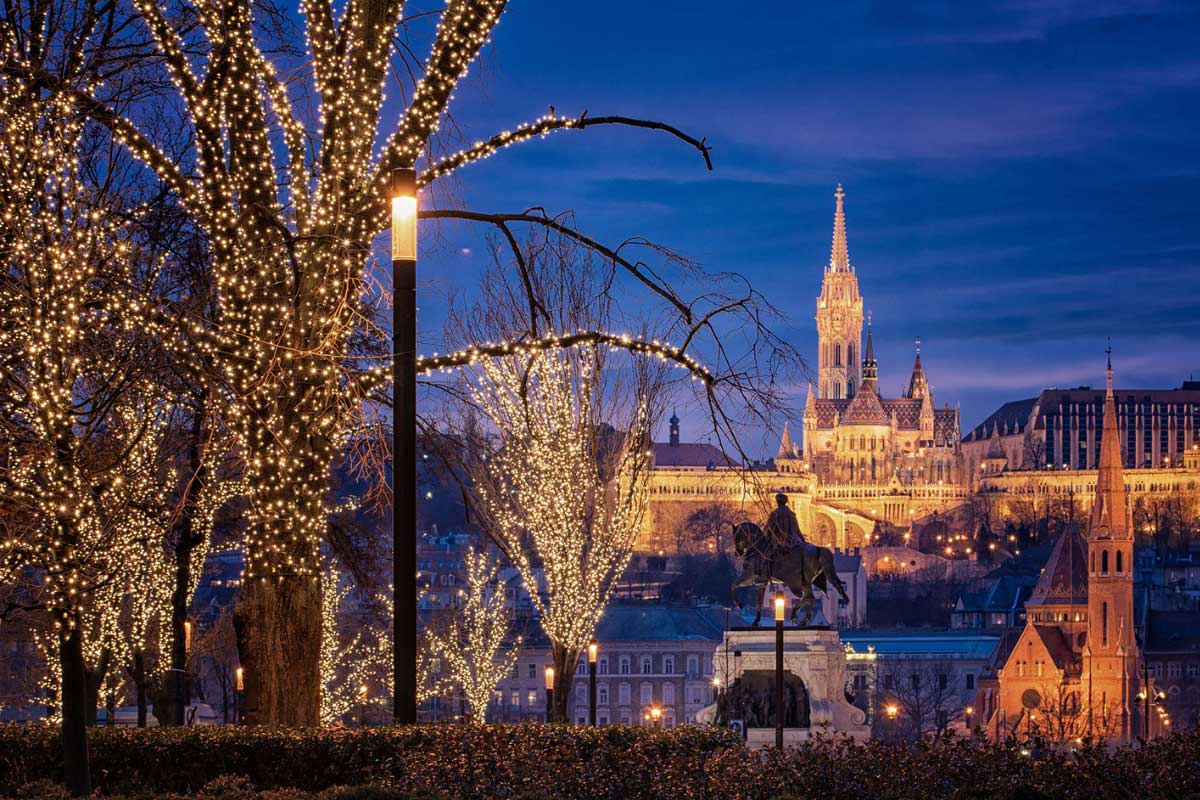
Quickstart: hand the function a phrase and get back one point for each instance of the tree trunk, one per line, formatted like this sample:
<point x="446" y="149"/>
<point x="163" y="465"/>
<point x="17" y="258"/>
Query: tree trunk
<point x="139" y="681"/>
<point x="187" y="539"/>
<point x="564" y="676"/>
<point x="110" y="710"/>
<point x="278" y="624"/>
<point x="93" y="679"/>
<point x="76" y="772"/>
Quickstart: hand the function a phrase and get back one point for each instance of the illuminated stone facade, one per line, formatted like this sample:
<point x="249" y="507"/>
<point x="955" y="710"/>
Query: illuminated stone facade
<point x="863" y="458"/>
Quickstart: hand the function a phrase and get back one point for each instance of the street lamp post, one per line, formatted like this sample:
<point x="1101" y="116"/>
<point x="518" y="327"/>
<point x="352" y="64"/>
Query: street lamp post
<point x="239" y="686"/>
<point x="549" y="694"/>
<point x="362" y="706"/>
<point x="780" y="606"/>
<point x="892" y="710"/>
<point x="656" y="715"/>
<point x="593" y="649"/>
<point x="970" y="712"/>
<point x="404" y="444"/>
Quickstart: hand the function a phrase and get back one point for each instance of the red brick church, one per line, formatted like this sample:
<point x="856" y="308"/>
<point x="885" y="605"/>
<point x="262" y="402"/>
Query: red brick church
<point x="1072" y="671"/>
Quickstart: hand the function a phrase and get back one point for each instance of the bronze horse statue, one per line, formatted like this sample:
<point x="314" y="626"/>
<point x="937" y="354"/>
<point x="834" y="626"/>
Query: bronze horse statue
<point x="800" y="568"/>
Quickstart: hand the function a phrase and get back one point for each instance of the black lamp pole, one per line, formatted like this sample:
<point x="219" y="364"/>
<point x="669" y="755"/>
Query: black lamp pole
<point x="404" y="444"/>
<point x="593" y="649"/>
<point x="780" y="605"/>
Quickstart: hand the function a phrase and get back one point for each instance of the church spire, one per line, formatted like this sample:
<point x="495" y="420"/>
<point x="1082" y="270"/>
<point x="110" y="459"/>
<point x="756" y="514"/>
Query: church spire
<point x="917" y="385"/>
<point x="870" y="367"/>
<point x="1109" y="515"/>
<point x="839" y="256"/>
<point x="786" y="448"/>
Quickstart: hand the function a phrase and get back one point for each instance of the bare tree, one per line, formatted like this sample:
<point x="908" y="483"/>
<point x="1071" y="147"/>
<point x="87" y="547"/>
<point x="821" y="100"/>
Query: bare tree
<point x="925" y="699"/>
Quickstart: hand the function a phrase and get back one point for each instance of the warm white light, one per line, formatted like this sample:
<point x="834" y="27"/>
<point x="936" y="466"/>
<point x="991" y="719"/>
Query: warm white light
<point x="780" y="606"/>
<point x="593" y="648"/>
<point x="549" y="678"/>
<point x="404" y="227"/>
<point x="240" y="683"/>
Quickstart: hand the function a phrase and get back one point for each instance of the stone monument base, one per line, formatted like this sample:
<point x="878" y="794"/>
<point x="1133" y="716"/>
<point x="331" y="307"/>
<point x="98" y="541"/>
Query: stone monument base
<point x="814" y="664"/>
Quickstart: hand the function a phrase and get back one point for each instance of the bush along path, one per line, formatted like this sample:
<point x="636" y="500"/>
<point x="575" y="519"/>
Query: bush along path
<point x="528" y="762"/>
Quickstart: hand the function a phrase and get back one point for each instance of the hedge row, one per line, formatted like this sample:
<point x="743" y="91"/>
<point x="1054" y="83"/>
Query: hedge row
<point x="574" y="763"/>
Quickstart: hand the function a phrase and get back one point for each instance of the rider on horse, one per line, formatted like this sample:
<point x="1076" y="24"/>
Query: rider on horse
<point x="783" y="529"/>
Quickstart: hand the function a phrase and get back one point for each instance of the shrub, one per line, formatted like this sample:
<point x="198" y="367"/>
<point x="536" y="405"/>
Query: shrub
<point x="537" y="762"/>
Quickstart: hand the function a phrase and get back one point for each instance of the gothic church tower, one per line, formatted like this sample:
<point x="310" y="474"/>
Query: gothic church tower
<point x="1110" y="655"/>
<point x="839" y="318"/>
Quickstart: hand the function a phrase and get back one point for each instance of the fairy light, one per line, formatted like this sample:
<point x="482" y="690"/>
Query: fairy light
<point x="552" y="493"/>
<point x="471" y="356"/>
<point x="475" y="645"/>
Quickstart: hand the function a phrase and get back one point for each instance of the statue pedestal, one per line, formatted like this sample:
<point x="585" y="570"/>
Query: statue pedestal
<point x="814" y="664"/>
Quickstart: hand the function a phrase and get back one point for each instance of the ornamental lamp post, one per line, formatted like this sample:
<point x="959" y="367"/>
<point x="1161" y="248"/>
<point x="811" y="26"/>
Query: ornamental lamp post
<point x="780" y="607"/>
<point x="656" y="715"/>
<point x="970" y="712"/>
<point x="362" y="705"/>
<point x="549" y="694"/>
<point x="404" y="444"/>
<point x="593" y="651"/>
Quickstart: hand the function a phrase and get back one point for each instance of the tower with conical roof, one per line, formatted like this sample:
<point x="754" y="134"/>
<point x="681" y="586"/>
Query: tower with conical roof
<point x="839" y="317"/>
<point x="1110" y="656"/>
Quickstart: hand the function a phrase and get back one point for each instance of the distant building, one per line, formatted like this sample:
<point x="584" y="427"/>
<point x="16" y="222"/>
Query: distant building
<point x="1060" y="429"/>
<point x="996" y="608"/>
<point x="930" y="676"/>
<point x="649" y="655"/>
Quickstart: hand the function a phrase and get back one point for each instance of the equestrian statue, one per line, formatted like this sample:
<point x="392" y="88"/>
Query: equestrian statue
<point x="780" y="553"/>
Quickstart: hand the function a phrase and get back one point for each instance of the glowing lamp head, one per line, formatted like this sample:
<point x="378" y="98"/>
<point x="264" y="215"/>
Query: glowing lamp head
<point x="593" y="649"/>
<point x="892" y="710"/>
<point x="404" y="215"/>
<point x="240" y="675"/>
<point x="656" y="713"/>
<point x="362" y="692"/>
<point x="780" y="606"/>
<point x="549" y="678"/>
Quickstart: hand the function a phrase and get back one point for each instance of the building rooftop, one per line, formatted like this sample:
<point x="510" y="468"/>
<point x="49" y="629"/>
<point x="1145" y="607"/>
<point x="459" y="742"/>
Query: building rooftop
<point x="691" y="454"/>
<point x="937" y="645"/>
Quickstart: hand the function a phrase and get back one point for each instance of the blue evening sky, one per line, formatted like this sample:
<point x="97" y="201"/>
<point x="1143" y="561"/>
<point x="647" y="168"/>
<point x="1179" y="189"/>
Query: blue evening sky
<point x="1022" y="178"/>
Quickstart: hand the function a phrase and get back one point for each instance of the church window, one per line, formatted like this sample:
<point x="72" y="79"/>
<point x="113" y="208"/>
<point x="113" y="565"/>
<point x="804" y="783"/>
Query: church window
<point x="1093" y="563"/>
<point x="1120" y="568"/>
<point x="837" y="390"/>
<point x="1104" y="625"/>
<point x="850" y="354"/>
<point x="837" y="355"/>
<point x="1104" y="562"/>
<point x="850" y="388"/>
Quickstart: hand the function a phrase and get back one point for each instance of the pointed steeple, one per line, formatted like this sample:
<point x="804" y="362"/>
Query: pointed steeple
<point x="810" y="404"/>
<point x="1109" y="512"/>
<point x="917" y="385"/>
<point x="787" y="449"/>
<point x="839" y="256"/>
<point x="674" y="430"/>
<point x="870" y="368"/>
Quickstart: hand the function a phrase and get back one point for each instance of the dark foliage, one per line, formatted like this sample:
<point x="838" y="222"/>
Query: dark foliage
<point x="536" y="761"/>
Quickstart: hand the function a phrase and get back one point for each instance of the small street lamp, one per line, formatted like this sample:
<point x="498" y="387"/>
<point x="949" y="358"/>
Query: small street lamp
<point x="970" y="712"/>
<point x="549" y="694"/>
<point x="656" y="715"/>
<point x="780" y="607"/>
<point x="593" y="651"/>
<point x="239" y="687"/>
<point x="892" y="711"/>
<point x="362" y="705"/>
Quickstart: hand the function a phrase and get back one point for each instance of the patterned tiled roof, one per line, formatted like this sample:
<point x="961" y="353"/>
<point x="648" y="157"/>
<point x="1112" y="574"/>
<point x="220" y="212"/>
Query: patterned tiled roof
<point x="865" y="409"/>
